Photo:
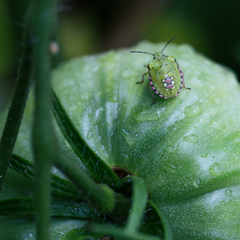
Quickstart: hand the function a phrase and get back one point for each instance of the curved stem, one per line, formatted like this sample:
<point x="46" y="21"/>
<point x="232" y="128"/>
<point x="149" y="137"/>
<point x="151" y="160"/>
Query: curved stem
<point x="139" y="201"/>
<point x="101" y="197"/>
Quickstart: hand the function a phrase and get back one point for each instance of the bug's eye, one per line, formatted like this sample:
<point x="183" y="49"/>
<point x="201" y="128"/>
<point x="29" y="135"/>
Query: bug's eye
<point x="155" y="64"/>
<point x="171" y="59"/>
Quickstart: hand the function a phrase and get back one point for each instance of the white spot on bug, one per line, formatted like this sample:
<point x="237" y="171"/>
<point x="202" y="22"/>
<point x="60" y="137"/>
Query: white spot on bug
<point x="165" y="84"/>
<point x="172" y="82"/>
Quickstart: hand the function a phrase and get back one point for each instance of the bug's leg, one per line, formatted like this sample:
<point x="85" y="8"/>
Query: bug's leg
<point x="146" y="65"/>
<point x="184" y="82"/>
<point x="142" y="78"/>
<point x="154" y="99"/>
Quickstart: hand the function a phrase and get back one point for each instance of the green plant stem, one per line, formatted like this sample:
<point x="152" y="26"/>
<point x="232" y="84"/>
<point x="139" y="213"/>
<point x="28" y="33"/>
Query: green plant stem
<point x="101" y="197"/>
<point x="16" y="110"/>
<point x="139" y="201"/>
<point x="164" y="224"/>
<point x="44" y="142"/>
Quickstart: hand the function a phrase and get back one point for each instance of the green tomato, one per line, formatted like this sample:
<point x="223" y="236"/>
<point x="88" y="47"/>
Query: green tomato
<point x="186" y="148"/>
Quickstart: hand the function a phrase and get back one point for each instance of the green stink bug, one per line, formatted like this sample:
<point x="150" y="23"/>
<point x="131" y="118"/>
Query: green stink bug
<point x="165" y="76"/>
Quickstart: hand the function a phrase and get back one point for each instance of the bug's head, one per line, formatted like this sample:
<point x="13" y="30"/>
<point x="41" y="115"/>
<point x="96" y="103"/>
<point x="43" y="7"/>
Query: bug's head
<point x="158" y="55"/>
<point x="155" y="64"/>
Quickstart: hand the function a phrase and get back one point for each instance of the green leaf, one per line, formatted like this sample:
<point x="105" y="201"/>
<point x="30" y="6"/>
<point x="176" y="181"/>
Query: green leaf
<point x="59" y="186"/>
<point x="60" y="207"/>
<point x="99" y="170"/>
<point x="24" y="228"/>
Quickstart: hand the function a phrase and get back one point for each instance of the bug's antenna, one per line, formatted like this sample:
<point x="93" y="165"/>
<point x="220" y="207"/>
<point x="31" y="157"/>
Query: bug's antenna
<point x="141" y="52"/>
<point x="167" y="44"/>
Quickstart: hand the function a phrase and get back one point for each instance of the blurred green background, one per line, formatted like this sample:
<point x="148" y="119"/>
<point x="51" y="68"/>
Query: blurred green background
<point x="85" y="27"/>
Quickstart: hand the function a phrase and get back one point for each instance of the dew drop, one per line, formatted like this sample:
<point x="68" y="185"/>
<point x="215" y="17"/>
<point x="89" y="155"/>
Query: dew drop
<point x="216" y="125"/>
<point x="196" y="183"/>
<point x="225" y="149"/>
<point x="89" y="135"/>
<point x="192" y="138"/>
<point x="172" y="147"/>
<point x="172" y="168"/>
<point x="228" y="192"/>
<point x="223" y="203"/>
<point x="73" y="107"/>
<point x="129" y="137"/>
<point x="215" y="169"/>
<point x="192" y="111"/>
<point x="204" y="155"/>
<point x="145" y="116"/>
<point x="148" y="114"/>
<point x="124" y="105"/>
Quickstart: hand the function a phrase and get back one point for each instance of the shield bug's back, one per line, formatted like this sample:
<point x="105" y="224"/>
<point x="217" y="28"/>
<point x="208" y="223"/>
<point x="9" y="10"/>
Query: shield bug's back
<point x="165" y="76"/>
